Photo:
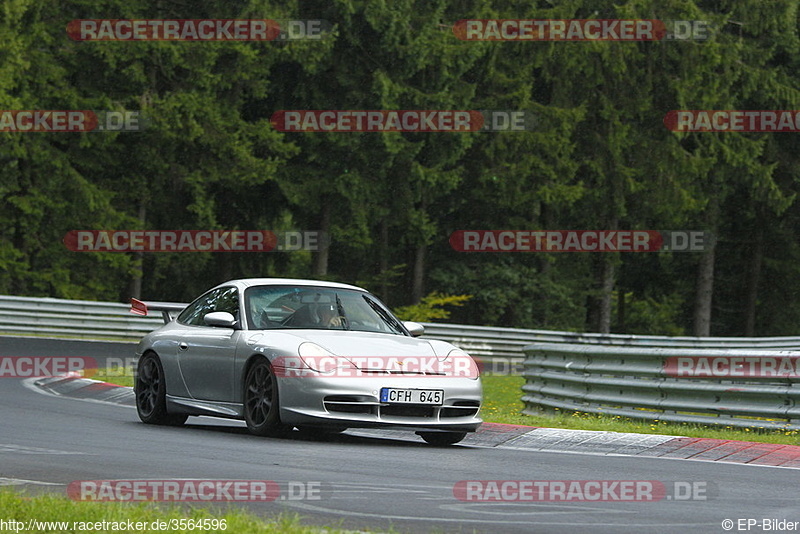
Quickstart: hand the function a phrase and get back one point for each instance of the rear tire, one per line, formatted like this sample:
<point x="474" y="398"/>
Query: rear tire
<point x="261" y="404"/>
<point x="441" y="439"/>
<point x="150" y="388"/>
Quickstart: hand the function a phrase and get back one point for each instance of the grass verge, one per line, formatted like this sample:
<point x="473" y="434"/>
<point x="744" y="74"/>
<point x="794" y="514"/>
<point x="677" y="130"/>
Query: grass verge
<point x="502" y="404"/>
<point x="67" y="516"/>
<point x="121" y="376"/>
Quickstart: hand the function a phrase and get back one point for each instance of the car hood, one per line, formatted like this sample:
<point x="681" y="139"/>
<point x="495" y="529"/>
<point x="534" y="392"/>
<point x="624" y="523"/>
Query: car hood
<point x="367" y="351"/>
<point x="349" y="344"/>
<point x="370" y="350"/>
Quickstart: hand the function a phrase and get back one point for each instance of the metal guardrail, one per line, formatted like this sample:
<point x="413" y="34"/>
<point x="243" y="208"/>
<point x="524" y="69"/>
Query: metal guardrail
<point x="79" y="319"/>
<point x="92" y="320"/>
<point x="597" y="373"/>
<point x="738" y="388"/>
<point x="501" y="349"/>
<point x="509" y="342"/>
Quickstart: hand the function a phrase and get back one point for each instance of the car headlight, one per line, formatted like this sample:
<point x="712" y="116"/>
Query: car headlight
<point x="462" y="364"/>
<point x="320" y="359"/>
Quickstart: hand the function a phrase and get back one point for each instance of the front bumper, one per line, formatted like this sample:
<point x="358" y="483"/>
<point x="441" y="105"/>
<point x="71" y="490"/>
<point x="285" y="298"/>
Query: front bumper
<point x="355" y="403"/>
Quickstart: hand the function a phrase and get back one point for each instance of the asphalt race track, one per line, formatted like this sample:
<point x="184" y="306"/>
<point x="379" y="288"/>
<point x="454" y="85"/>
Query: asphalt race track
<point x="369" y="483"/>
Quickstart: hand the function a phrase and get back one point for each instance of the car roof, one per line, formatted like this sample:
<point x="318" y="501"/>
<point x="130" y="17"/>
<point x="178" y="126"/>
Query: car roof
<point x="244" y="283"/>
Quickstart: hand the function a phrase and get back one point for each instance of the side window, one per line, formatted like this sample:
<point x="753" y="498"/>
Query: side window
<point x="222" y="299"/>
<point x="228" y="301"/>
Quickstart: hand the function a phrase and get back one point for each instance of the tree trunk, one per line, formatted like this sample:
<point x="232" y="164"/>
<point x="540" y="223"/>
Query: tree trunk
<point x="754" y="274"/>
<point x="592" y="313"/>
<point x="546" y="216"/>
<point x="417" y="286"/>
<point x="383" y="252"/>
<point x="705" y="292"/>
<point x="602" y="301"/>
<point x="607" y="292"/>
<point x="321" y="256"/>
<point x="19" y="283"/>
<point x="599" y="302"/>
<point x="705" y="273"/>
<point x="135" y="285"/>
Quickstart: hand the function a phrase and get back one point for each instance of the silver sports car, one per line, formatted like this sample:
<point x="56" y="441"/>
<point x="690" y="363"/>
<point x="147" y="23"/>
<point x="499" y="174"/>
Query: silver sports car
<point x="319" y="356"/>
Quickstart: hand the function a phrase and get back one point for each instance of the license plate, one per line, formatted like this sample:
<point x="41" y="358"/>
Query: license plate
<point x="412" y="396"/>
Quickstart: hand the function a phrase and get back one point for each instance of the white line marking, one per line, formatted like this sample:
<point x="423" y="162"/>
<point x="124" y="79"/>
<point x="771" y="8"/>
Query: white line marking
<point x="571" y="522"/>
<point x="22" y="482"/>
<point x="23" y="449"/>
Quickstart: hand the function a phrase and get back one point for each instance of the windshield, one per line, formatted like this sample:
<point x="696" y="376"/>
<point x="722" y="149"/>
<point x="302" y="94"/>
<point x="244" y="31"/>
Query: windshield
<point x="322" y="308"/>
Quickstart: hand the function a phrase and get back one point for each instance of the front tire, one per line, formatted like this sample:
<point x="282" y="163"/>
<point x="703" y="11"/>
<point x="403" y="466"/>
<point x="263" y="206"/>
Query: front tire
<point x="261" y="405"/>
<point x="150" y="389"/>
<point x="441" y="439"/>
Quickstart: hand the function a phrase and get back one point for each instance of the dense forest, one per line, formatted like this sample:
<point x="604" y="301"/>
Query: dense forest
<point x="599" y="157"/>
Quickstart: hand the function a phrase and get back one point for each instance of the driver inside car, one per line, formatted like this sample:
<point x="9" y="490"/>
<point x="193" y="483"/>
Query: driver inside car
<point x="327" y="316"/>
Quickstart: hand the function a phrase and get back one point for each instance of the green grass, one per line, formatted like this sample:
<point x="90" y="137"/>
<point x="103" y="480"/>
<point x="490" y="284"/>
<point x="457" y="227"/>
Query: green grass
<point x="58" y="508"/>
<point x="121" y="376"/>
<point x="502" y="404"/>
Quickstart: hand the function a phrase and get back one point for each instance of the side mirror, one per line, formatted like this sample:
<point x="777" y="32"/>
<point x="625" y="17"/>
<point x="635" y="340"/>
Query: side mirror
<point x="415" y="329"/>
<point x="223" y="319"/>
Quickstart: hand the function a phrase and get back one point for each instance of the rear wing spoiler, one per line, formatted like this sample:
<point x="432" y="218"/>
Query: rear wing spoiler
<point x="139" y="307"/>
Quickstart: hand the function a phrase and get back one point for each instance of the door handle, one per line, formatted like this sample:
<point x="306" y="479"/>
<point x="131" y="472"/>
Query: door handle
<point x="183" y="345"/>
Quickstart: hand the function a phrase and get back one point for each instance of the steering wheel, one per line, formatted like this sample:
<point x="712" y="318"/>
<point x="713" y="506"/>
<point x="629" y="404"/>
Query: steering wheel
<point x="265" y="322"/>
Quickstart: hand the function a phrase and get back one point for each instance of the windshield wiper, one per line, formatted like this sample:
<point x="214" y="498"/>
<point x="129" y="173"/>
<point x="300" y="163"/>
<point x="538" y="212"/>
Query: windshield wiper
<point x="388" y="319"/>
